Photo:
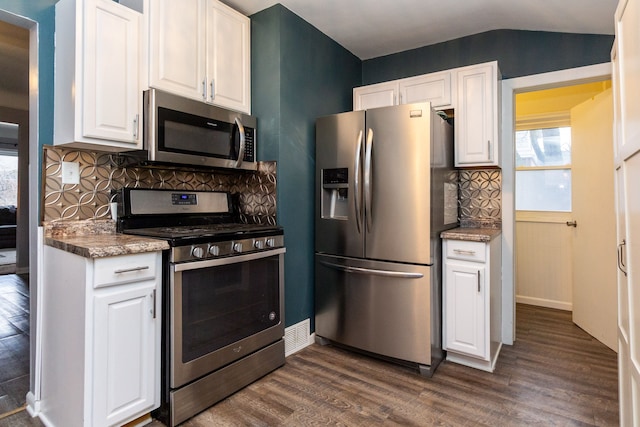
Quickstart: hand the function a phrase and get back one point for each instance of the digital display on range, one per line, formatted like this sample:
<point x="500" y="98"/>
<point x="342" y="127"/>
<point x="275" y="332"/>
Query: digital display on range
<point x="184" y="199"/>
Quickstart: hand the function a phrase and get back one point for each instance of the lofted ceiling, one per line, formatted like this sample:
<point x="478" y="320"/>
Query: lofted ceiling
<point x="372" y="28"/>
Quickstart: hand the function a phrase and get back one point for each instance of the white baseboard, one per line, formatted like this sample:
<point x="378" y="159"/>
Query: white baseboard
<point x="297" y="337"/>
<point x="33" y="406"/>
<point x="540" y="302"/>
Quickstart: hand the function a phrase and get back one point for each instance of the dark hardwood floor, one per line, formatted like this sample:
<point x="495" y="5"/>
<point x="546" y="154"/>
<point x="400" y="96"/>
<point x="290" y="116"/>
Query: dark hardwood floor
<point x="555" y="374"/>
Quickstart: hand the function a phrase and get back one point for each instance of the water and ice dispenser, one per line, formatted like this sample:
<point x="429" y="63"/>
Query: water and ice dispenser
<point x="335" y="193"/>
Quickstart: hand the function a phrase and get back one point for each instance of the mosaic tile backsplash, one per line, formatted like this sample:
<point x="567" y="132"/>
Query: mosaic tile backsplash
<point x="101" y="173"/>
<point x="480" y="198"/>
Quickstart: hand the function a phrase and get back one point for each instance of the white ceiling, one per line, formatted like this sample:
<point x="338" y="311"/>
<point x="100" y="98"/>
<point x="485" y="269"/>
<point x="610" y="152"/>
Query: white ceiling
<point x="372" y="28"/>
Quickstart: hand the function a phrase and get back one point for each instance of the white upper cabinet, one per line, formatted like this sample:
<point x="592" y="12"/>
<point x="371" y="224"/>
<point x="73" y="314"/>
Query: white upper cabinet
<point x="471" y="91"/>
<point x="176" y="47"/>
<point x="374" y="96"/>
<point x="228" y="57"/>
<point x="476" y="116"/>
<point x="435" y="88"/>
<point x="97" y="75"/>
<point x="201" y="52"/>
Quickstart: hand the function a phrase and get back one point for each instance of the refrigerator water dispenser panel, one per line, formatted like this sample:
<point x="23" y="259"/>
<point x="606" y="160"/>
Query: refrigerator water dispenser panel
<point x="335" y="193"/>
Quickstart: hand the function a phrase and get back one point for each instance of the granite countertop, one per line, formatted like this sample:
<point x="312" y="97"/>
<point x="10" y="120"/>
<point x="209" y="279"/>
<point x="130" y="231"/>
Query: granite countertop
<point x="97" y="239"/>
<point x="471" y="234"/>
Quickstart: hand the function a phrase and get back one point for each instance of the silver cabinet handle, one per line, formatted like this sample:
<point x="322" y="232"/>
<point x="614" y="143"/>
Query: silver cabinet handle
<point x="135" y="127"/>
<point x="356" y="181"/>
<point x="367" y="180"/>
<point x="204" y="90"/>
<point x="153" y="304"/>
<point x="464" y="252"/>
<point x="478" y="274"/>
<point x="212" y="95"/>
<point x="572" y="224"/>
<point x="242" y="142"/>
<point x="489" y="148"/>
<point x="132" y="270"/>
<point x="621" y="257"/>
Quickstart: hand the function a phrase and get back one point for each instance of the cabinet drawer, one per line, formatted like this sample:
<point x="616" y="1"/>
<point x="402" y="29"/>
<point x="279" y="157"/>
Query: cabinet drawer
<point x="469" y="251"/>
<point x="124" y="268"/>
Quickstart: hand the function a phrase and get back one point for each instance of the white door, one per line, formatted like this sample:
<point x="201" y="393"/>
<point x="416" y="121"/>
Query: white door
<point x="228" y="57"/>
<point x="627" y="77"/>
<point x="593" y="201"/>
<point x="111" y="72"/>
<point x="177" y="48"/>
<point x="374" y="96"/>
<point x="124" y="369"/>
<point x="464" y="296"/>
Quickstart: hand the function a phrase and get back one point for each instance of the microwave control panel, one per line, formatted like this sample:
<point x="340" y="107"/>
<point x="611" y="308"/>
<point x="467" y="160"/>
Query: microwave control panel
<point x="249" y="146"/>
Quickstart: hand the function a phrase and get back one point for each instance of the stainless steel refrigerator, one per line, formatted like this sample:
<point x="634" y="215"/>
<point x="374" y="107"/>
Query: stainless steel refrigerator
<point x="385" y="189"/>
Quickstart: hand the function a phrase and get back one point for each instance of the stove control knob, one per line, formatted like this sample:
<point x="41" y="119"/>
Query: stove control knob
<point x="258" y="244"/>
<point x="214" y="250"/>
<point x="271" y="242"/>
<point x="237" y="247"/>
<point x="197" y="252"/>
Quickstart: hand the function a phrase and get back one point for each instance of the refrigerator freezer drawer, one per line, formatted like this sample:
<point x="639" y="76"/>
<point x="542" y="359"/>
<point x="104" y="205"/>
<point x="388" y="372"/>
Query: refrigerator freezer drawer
<point x="379" y="307"/>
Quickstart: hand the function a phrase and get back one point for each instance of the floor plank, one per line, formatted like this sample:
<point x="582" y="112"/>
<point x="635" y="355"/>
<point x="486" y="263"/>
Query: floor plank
<point x="555" y="374"/>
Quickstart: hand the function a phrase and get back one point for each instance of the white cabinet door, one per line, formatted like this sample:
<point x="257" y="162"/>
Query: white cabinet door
<point x="177" y="47"/>
<point x="111" y="87"/>
<point x="627" y="133"/>
<point x="97" y="75"/>
<point x="434" y="88"/>
<point x="228" y="57"/>
<point x="465" y="318"/>
<point x="201" y="52"/>
<point x="124" y="345"/>
<point x="476" y="129"/>
<point x="376" y="95"/>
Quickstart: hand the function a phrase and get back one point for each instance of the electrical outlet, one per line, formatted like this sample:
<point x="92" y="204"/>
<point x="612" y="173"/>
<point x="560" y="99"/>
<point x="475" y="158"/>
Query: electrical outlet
<point x="70" y="172"/>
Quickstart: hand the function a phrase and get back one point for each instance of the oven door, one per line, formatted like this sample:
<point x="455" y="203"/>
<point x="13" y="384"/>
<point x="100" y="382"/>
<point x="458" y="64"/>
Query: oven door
<point x="222" y="310"/>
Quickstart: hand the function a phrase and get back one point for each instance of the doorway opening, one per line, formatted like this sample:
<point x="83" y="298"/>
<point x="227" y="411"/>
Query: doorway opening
<point x="511" y="87"/>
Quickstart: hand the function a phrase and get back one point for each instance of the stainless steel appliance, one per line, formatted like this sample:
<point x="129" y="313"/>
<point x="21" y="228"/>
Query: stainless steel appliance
<point x="184" y="131"/>
<point x="223" y="295"/>
<point x="385" y="189"/>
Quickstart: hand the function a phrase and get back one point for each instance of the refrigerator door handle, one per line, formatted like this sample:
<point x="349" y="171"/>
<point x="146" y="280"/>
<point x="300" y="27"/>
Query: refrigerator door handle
<point x="356" y="182"/>
<point x="384" y="273"/>
<point x="367" y="180"/>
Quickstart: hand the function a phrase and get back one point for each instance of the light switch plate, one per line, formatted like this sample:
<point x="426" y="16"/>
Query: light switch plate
<point x="70" y="172"/>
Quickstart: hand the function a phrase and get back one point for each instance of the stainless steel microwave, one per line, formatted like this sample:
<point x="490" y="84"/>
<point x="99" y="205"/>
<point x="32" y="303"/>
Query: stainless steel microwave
<point x="179" y="130"/>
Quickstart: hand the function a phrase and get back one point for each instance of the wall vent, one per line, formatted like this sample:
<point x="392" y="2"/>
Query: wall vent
<point x="297" y="337"/>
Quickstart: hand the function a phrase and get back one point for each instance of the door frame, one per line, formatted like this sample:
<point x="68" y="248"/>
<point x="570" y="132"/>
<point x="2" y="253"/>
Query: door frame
<point x="35" y="257"/>
<point x="510" y="88"/>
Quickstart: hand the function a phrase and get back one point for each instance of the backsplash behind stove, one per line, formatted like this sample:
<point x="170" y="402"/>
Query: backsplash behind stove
<point x="480" y="190"/>
<point x="100" y="173"/>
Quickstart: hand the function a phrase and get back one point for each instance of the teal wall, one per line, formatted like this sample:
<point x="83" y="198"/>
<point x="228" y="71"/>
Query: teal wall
<point x="43" y="12"/>
<point x="298" y="74"/>
<point x="519" y="53"/>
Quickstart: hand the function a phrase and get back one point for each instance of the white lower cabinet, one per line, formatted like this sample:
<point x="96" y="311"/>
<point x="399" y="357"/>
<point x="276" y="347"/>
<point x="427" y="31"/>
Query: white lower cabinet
<point x="472" y="302"/>
<point x="100" y="338"/>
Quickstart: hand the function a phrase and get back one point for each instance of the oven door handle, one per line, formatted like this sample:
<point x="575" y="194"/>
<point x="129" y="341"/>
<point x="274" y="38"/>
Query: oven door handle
<point x="226" y="261"/>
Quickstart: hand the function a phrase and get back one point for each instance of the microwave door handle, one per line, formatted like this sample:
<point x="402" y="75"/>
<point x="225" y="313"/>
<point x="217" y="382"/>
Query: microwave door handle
<point x="242" y="142"/>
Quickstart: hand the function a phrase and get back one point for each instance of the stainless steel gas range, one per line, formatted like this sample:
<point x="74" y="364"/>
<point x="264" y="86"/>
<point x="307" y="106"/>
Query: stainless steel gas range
<point x="223" y="299"/>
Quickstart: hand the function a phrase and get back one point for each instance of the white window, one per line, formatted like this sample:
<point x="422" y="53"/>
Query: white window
<point x="8" y="180"/>
<point x="543" y="169"/>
